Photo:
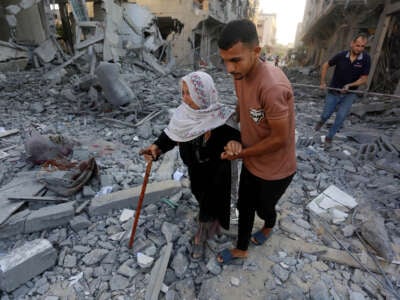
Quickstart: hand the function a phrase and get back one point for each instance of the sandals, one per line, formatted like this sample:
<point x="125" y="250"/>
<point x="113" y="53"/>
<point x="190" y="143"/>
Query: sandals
<point x="258" y="238"/>
<point x="225" y="257"/>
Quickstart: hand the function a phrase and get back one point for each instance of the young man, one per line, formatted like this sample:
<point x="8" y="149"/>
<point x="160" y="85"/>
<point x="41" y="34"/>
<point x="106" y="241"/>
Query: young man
<point x="267" y="124"/>
<point x="351" y="70"/>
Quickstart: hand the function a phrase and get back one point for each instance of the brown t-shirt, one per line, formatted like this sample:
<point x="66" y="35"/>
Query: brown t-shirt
<point x="266" y="94"/>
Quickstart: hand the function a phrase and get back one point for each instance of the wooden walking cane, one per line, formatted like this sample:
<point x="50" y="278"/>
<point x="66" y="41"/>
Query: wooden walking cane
<point x="139" y="205"/>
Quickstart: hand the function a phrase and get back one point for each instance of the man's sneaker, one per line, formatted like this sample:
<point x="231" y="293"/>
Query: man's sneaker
<point x="318" y="126"/>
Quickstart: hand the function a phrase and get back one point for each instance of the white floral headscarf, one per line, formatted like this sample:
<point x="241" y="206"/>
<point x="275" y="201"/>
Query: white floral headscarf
<point x="187" y="123"/>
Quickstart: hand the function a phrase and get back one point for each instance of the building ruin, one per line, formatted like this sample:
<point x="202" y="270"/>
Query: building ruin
<point x="328" y="27"/>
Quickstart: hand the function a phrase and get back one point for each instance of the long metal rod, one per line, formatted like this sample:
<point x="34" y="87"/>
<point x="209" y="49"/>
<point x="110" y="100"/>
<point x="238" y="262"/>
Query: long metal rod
<point x="139" y="206"/>
<point x="363" y="266"/>
<point x="352" y="91"/>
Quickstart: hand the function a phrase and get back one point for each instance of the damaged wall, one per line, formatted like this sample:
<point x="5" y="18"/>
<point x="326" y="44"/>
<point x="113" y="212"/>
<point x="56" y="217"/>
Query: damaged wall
<point x="23" y="27"/>
<point x="266" y="28"/>
<point x="25" y="20"/>
<point x="328" y="27"/>
<point x="202" y="22"/>
<point x="172" y="32"/>
<point x="187" y="14"/>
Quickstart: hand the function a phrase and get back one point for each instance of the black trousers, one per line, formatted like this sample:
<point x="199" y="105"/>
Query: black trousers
<point x="211" y="185"/>
<point x="259" y="196"/>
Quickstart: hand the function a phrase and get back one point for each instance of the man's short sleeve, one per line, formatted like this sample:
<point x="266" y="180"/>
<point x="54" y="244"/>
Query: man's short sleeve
<point x="276" y="102"/>
<point x="334" y="60"/>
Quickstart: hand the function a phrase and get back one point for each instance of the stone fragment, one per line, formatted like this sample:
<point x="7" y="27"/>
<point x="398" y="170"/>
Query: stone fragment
<point x="49" y="217"/>
<point x="26" y="262"/>
<point x="144" y="261"/>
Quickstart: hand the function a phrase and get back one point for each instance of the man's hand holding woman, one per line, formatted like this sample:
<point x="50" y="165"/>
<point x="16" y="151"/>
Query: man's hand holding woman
<point x="233" y="150"/>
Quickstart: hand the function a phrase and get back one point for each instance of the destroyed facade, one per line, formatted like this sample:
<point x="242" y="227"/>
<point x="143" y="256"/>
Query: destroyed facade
<point x="328" y="27"/>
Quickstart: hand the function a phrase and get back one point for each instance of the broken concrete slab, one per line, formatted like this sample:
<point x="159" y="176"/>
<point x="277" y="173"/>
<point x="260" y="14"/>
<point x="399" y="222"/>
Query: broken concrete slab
<point x="158" y="272"/>
<point x="138" y="17"/>
<point x="374" y="232"/>
<point x="14" y="225"/>
<point x="25" y="184"/>
<point x="341" y="197"/>
<point x="129" y="198"/>
<point x="46" y="51"/>
<point x="362" y="109"/>
<point x="25" y="262"/>
<point x="4" y="133"/>
<point x="153" y="62"/>
<point x="332" y="202"/>
<point x="13" y="57"/>
<point x="50" y="217"/>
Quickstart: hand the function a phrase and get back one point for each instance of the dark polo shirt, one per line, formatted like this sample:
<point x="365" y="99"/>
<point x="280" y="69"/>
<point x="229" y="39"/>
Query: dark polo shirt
<point x="347" y="71"/>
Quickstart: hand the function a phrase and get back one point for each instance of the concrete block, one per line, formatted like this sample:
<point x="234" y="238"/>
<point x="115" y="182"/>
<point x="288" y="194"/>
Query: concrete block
<point x="14" y="225"/>
<point x="340" y="196"/>
<point x="26" y="262"/>
<point x="129" y="198"/>
<point x="49" y="217"/>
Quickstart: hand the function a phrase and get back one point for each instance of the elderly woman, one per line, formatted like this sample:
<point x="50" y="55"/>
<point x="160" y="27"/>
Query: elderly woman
<point x="199" y="127"/>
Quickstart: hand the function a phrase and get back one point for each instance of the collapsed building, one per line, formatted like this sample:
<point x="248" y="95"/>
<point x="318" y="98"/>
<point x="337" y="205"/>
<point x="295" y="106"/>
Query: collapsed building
<point x="157" y="32"/>
<point x="328" y="27"/>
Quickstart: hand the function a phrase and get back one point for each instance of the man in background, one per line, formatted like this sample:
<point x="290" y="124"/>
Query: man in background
<point x="351" y="70"/>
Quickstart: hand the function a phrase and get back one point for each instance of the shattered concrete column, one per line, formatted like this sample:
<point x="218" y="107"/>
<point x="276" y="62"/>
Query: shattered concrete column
<point x="25" y="262"/>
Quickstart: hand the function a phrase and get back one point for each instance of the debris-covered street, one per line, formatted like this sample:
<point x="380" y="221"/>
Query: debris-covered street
<point x="80" y="240"/>
<point x="86" y="85"/>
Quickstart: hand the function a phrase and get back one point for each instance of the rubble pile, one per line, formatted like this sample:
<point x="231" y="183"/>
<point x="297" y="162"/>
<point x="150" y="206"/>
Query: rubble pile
<point x="74" y="213"/>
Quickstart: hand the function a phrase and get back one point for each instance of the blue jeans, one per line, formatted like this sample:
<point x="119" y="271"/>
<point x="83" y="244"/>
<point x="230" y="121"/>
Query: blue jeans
<point x="343" y="103"/>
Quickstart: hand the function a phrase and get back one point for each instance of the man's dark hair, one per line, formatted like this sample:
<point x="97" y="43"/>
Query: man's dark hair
<point x="362" y="35"/>
<point x="238" y="31"/>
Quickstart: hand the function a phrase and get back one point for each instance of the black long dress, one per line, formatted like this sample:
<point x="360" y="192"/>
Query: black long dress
<point x="210" y="176"/>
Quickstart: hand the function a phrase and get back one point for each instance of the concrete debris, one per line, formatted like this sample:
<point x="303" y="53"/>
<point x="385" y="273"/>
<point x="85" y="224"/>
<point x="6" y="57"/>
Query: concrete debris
<point x="374" y="232"/>
<point x="158" y="272"/>
<point x="49" y="217"/>
<point x="13" y="57"/>
<point x="4" y="133"/>
<point x="144" y="261"/>
<point x="90" y="232"/>
<point x="115" y="89"/>
<point x="26" y="262"/>
<point x="129" y="197"/>
<point x="22" y="185"/>
<point x="334" y="203"/>
<point x="46" y="51"/>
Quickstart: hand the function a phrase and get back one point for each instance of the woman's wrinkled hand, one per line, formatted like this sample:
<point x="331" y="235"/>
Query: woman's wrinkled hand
<point x="150" y="153"/>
